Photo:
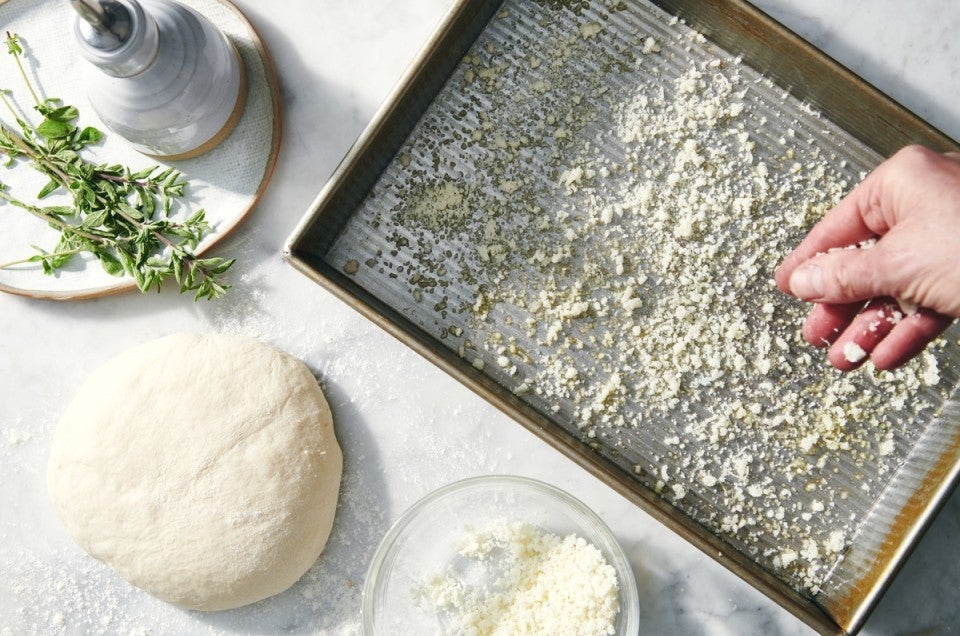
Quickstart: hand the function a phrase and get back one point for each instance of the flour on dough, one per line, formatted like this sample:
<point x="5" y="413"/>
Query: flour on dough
<point x="203" y="468"/>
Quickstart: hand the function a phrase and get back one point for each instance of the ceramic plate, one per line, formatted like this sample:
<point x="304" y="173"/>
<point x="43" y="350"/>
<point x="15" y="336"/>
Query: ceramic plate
<point x="225" y="182"/>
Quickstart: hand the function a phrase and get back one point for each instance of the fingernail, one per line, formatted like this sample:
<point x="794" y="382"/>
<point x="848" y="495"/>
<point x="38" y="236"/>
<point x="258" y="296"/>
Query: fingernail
<point x="807" y="282"/>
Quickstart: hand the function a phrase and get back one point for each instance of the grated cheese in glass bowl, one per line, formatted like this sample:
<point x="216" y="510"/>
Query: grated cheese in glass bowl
<point x="500" y="555"/>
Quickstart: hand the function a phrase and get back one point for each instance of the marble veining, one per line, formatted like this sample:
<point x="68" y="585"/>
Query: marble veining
<point x="405" y="426"/>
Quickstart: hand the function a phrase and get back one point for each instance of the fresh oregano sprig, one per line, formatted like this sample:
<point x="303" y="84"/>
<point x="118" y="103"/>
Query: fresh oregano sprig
<point x="120" y="216"/>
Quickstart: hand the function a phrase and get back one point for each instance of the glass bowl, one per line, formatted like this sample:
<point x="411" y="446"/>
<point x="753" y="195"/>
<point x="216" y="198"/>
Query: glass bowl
<point x="425" y="541"/>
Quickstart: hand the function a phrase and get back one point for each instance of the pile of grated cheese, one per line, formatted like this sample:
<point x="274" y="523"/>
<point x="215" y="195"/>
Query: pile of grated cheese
<point x="532" y="582"/>
<point x="592" y="214"/>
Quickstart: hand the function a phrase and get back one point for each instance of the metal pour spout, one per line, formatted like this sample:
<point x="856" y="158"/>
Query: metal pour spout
<point x="108" y="23"/>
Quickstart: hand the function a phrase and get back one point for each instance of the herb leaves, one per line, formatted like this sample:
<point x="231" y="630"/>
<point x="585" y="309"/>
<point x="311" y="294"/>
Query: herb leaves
<point x="121" y="217"/>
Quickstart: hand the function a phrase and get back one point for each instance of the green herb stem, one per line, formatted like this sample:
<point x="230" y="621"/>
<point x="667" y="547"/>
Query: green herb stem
<point x="23" y="72"/>
<point x="40" y="213"/>
<point x="21" y="261"/>
<point x="30" y="151"/>
<point x="9" y="106"/>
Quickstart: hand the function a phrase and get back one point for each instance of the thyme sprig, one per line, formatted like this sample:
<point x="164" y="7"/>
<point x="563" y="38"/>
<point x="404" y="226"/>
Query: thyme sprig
<point x="120" y="216"/>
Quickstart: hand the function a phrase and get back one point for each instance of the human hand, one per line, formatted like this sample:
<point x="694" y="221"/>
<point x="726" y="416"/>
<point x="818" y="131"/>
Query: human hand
<point x="911" y="205"/>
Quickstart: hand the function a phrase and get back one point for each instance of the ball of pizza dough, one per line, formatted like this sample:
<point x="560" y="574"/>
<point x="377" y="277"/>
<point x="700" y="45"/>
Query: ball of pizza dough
<point x="203" y="468"/>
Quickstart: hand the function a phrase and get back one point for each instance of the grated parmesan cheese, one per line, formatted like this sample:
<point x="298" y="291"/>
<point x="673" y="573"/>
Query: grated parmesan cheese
<point x="603" y="225"/>
<point x="853" y="352"/>
<point x="531" y="583"/>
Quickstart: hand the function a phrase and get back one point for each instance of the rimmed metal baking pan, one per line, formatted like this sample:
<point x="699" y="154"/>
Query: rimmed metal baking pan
<point x="470" y="219"/>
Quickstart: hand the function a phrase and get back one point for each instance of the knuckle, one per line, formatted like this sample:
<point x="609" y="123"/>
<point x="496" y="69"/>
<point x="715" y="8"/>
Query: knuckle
<point x="914" y="154"/>
<point x="841" y="280"/>
<point x="855" y="275"/>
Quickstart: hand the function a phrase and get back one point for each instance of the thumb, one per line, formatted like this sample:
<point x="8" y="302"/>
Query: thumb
<point x="842" y="276"/>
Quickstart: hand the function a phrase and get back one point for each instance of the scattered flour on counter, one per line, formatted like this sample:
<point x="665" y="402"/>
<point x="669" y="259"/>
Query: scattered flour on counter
<point x="538" y="583"/>
<point x="13" y="436"/>
<point x="61" y="593"/>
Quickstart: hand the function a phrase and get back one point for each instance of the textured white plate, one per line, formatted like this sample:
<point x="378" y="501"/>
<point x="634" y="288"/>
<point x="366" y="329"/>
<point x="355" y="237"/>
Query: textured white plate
<point x="225" y="182"/>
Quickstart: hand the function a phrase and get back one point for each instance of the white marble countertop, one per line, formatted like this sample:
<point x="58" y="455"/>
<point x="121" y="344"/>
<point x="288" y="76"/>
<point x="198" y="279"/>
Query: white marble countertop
<point x="405" y="427"/>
